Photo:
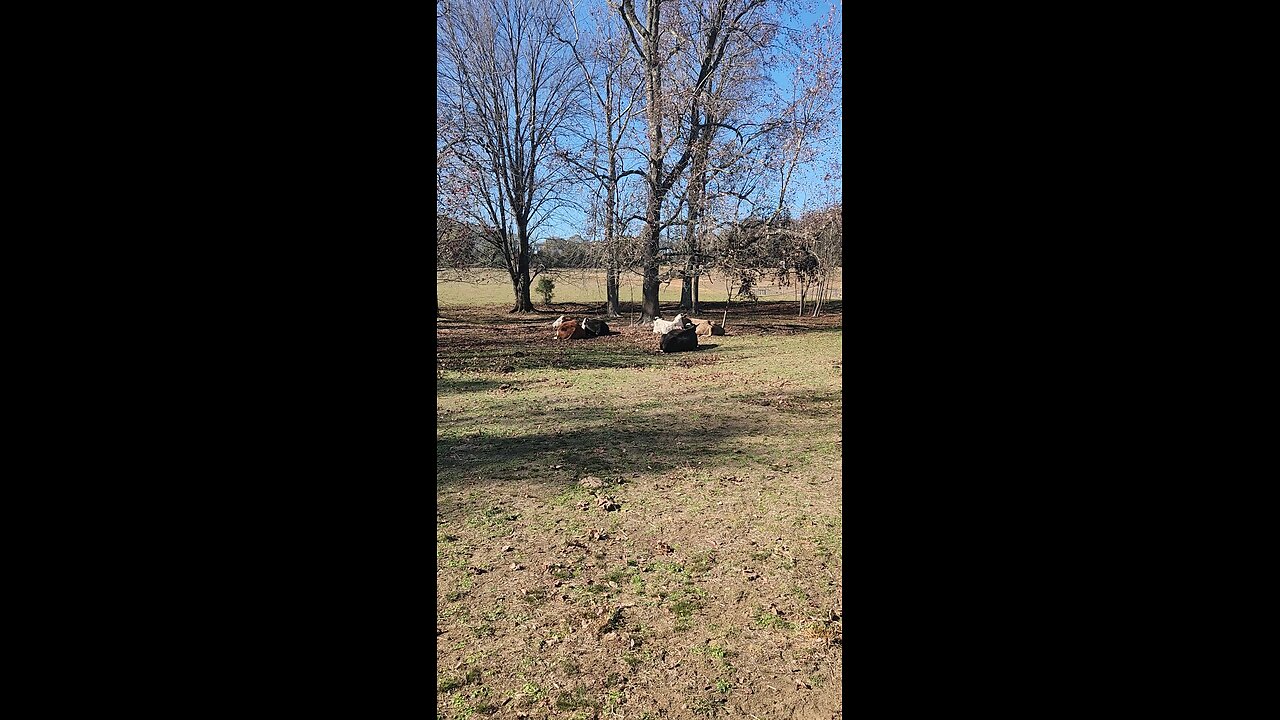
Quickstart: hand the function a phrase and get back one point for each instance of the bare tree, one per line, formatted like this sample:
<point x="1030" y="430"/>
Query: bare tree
<point x="508" y="89"/>
<point x="827" y="245"/>
<point x="609" y="69"/>
<point x="729" y="111"/>
<point x="795" y="125"/>
<point x="674" y="115"/>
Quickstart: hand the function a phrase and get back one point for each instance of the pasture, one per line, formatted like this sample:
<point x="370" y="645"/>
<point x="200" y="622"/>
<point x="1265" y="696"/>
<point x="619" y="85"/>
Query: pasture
<point x="623" y="533"/>
<point x="493" y="287"/>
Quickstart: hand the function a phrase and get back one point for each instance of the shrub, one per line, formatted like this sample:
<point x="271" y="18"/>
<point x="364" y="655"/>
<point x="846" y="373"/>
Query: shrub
<point x="546" y="288"/>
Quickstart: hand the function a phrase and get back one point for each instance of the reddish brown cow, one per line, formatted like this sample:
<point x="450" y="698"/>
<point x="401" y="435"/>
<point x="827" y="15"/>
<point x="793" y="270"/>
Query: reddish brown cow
<point x="570" y="329"/>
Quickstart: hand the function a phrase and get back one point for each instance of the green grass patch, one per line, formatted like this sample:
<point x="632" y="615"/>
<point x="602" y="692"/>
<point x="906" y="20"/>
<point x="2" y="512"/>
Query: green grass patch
<point x="572" y="700"/>
<point x="531" y="694"/>
<point x="766" y="620"/>
<point x="453" y="680"/>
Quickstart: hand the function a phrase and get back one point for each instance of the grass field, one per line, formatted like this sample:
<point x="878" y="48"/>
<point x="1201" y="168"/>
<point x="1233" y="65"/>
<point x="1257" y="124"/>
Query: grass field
<point x="623" y="533"/>
<point x="493" y="287"/>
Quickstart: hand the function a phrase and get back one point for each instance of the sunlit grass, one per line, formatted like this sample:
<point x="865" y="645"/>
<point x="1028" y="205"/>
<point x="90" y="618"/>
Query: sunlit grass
<point x="493" y="287"/>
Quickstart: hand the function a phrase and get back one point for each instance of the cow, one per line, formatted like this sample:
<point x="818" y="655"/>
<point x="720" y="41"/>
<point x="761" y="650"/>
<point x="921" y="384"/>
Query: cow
<point x="679" y="340"/>
<point x="662" y="327"/>
<point x="570" y="330"/>
<point x="707" y="327"/>
<point x="594" y="327"/>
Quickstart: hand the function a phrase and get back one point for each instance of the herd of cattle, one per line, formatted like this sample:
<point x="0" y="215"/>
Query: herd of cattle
<point x="675" y="335"/>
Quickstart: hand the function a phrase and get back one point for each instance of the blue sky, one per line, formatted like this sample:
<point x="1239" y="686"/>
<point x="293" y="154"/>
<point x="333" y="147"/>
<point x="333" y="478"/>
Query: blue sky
<point x="808" y="184"/>
<point x="810" y="181"/>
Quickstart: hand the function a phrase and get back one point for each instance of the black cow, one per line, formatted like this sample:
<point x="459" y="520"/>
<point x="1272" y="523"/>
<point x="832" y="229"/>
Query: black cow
<point x="679" y="340"/>
<point x="595" y="327"/>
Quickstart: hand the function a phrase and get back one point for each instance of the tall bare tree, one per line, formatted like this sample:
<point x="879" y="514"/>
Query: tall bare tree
<point x="613" y="84"/>
<point x="731" y="109"/>
<point x="675" y="116"/>
<point x="508" y="88"/>
<point x="761" y="175"/>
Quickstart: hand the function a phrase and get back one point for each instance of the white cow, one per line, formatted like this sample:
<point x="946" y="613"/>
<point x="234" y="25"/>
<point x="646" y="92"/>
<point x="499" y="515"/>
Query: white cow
<point x="662" y="327"/>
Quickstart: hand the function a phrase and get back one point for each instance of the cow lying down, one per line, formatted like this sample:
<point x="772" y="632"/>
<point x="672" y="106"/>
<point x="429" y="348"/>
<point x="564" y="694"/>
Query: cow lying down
<point x="594" y="326"/>
<point x="679" y="340"/>
<point x="570" y="330"/>
<point x="662" y="327"/>
<point x="574" y="329"/>
<point x="707" y="327"/>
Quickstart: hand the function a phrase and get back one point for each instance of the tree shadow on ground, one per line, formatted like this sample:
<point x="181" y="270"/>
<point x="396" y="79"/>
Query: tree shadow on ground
<point x="758" y="318"/>
<point x="534" y="348"/>
<point x="488" y="341"/>
<point x="792" y="402"/>
<point x="759" y="314"/>
<point x="504" y="356"/>
<point x="583" y="443"/>
<point x="451" y="385"/>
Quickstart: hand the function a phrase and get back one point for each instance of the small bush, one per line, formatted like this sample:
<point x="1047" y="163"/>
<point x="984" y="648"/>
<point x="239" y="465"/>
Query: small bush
<point x="545" y="288"/>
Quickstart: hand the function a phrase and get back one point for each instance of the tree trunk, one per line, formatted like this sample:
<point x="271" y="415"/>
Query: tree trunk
<point x="653" y="67"/>
<point x="649" y="301"/>
<point x="727" y="298"/>
<point x="686" y="288"/>
<point x="526" y="303"/>
<point x="612" y="305"/>
<point x="649" y="297"/>
<point x="520" y="282"/>
<point x="696" y="194"/>
<point x="520" y="286"/>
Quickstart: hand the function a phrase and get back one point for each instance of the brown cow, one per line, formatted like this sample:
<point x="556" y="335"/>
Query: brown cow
<point x="707" y="327"/>
<point x="570" y="329"/>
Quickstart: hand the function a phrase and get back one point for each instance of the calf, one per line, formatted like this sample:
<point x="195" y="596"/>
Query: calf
<point x="679" y="340"/>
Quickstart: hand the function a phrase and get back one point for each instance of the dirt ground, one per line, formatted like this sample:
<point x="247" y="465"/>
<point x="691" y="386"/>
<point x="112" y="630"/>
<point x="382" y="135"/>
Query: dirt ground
<point x="623" y="533"/>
